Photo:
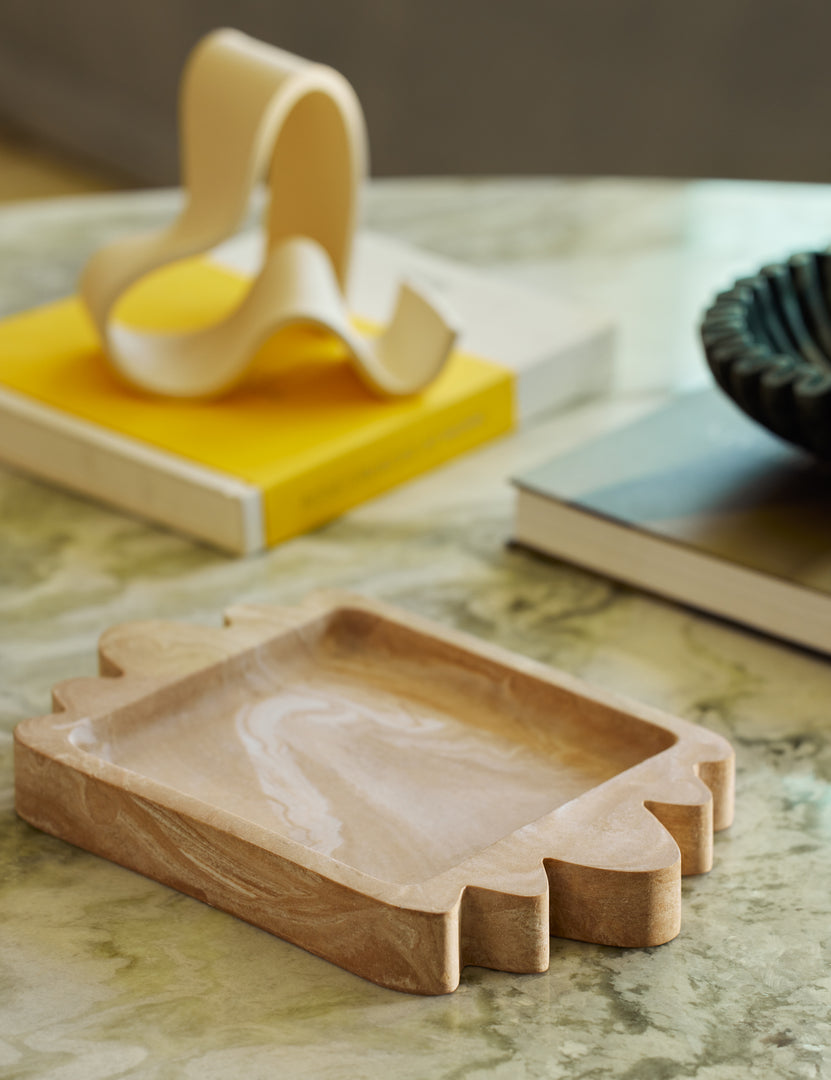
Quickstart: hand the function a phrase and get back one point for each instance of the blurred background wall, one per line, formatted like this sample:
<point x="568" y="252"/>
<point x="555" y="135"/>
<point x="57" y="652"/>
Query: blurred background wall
<point x="727" y="88"/>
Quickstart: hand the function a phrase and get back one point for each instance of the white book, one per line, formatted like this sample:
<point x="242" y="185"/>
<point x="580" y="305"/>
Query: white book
<point x="555" y="350"/>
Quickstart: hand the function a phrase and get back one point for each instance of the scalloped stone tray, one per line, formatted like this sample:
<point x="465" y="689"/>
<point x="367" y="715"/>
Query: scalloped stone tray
<point x="396" y="797"/>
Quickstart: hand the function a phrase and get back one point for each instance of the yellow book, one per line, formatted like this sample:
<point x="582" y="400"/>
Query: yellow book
<point x="299" y="442"/>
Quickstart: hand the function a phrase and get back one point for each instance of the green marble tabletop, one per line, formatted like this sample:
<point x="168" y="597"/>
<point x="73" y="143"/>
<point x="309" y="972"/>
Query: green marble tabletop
<point x="104" y="973"/>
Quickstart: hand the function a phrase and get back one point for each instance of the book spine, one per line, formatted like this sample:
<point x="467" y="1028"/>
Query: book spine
<point x="130" y="475"/>
<point x="367" y="469"/>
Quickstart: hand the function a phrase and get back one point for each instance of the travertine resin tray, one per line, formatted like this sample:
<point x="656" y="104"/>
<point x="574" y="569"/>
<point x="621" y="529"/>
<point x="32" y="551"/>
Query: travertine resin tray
<point x="393" y="796"/>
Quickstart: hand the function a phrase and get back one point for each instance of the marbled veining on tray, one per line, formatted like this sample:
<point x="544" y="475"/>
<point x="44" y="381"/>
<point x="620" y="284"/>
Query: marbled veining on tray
<point x="104" y="974"/>
<point x="395" y="766"/>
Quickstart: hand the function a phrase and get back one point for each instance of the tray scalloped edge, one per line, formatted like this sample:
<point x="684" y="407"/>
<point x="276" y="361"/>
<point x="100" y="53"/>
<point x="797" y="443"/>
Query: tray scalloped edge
<point x="603" y="867"/>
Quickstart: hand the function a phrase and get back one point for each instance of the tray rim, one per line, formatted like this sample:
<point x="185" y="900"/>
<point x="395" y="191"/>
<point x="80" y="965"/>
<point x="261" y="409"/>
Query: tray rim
<point x="520" y="863"/>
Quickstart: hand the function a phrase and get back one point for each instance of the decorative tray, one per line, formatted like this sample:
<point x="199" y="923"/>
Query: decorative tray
<point x="396" y="797"/>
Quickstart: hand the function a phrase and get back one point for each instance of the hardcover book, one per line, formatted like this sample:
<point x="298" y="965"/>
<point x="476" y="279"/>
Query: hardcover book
<point x="697" y="503"/>
<point x="301" y="440"/>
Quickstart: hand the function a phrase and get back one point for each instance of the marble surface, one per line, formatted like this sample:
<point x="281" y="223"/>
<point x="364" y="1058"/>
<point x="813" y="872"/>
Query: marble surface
<point x="106" y="974"/>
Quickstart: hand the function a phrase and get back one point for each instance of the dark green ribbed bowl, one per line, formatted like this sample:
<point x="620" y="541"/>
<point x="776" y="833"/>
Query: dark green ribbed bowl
<point x="768" y="344"/>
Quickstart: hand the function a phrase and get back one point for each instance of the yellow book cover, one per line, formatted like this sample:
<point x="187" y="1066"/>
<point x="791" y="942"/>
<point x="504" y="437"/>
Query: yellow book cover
<point x="297" y="443"/>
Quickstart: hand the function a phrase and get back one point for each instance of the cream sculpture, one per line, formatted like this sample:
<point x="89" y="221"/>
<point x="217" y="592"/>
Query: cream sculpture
<point x="249" y="110"/>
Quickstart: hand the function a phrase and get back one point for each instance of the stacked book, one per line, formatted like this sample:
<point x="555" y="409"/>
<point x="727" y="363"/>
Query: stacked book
<point x="301" y="440"/>
<point x="699" y="504"/>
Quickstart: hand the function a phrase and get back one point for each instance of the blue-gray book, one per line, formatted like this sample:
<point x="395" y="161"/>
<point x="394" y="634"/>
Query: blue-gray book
<point x="699" y="504"/>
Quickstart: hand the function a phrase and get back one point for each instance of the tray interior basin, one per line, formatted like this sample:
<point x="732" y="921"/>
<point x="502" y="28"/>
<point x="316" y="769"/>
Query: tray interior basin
<point x="389" y="750"/>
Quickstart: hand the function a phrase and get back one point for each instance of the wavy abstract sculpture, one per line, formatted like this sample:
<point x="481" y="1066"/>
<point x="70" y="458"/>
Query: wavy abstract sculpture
<point x="247" y="110"/>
